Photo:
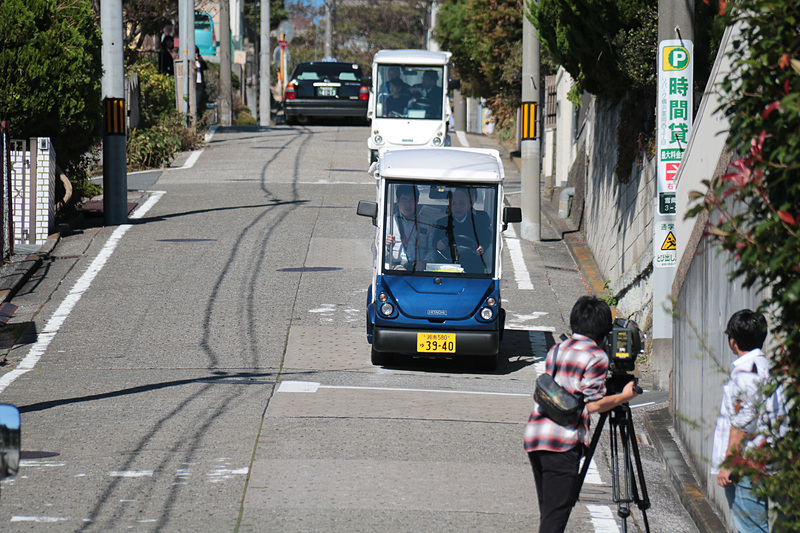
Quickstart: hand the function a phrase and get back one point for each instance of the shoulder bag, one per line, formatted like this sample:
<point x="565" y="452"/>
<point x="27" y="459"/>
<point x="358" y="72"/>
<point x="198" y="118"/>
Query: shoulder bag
<point x="554" y="401"/>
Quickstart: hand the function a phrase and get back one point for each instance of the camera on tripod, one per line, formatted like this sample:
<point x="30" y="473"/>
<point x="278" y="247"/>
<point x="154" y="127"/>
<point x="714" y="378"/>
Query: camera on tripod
<point x="623" y="345"/>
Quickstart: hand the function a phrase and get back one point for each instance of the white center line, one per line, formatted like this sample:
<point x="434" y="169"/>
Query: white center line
<point x="521" y="274"/>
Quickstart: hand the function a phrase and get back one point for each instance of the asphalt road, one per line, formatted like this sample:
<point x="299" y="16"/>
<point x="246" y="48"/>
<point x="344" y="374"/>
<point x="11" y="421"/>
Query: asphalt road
<point x="205" y="368"/>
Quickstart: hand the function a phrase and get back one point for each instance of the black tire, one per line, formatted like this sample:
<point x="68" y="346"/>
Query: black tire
<point x="381" y="358"/>
<point x="290" y="120"/>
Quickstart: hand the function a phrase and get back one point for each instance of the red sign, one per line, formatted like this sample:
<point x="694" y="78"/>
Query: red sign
<point x="283" y="44"/>
<point x="671" y="172"/>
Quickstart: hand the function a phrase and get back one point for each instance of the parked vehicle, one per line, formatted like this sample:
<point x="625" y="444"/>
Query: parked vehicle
<point x="326" y="89"/>
<point x="435" y="288"/>
<point x="408" y="102"/>
<point x="204" y="36"/>
<point x="10" y="428"/>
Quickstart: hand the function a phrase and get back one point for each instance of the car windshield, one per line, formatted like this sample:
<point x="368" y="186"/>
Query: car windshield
<point x="409" y="92"/>
<point x="435" y="229"/>
<point x="330" y="71"/>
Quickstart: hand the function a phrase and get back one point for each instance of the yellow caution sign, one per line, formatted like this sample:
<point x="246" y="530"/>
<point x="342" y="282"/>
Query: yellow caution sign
<point x="669" y="242"/>
<point x="528" y="132"/>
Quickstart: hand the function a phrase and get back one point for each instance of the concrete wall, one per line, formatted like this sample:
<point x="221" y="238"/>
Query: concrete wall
<point x="705" y="296"/>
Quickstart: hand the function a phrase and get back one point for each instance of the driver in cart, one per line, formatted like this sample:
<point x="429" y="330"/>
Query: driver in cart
<point x="406" y="236"/>
<point x="463" y="236"/>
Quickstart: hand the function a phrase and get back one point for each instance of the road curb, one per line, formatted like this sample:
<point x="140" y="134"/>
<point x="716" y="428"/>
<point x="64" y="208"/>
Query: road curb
<point x="705" y="518"/>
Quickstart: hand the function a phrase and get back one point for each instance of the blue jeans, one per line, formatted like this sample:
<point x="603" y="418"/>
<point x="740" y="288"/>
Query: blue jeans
<point x="748" y="511"/>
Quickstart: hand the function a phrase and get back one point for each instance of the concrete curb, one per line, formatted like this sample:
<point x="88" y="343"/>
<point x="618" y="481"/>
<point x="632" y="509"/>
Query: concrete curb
<point x="705" y="518"/>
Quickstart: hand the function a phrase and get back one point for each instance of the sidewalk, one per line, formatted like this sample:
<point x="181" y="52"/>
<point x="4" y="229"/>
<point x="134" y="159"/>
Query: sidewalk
<point x="658" y="423"/>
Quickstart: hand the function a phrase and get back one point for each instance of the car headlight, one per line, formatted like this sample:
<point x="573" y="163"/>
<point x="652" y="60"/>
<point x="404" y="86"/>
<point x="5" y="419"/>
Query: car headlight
<point x="437" y="141"/>
<point x="378" y="139"/>
<point x="387" y="309"/>
<point x="491" y="301"/>
<point x="487" y="313"/>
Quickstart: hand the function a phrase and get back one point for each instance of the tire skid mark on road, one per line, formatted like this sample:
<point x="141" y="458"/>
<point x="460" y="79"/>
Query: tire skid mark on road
<point x="61" y="314"/>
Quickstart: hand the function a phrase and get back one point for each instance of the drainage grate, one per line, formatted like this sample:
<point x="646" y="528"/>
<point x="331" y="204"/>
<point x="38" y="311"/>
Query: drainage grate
<point x="308" y="269"/>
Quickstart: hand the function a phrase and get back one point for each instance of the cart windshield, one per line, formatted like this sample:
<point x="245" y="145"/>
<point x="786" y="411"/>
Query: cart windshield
<point x="435" y="229"/>
<point x="409" y="92"/>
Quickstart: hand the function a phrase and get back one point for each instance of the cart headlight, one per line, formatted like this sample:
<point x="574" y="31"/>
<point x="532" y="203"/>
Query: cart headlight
<point x="378" y="139"/>
<point x="491" y="301"/>
<point x="387" y="309"/>
<point x="487" y="313"/>
<point x="437" y="141"/>
<point x="382" y="297"/>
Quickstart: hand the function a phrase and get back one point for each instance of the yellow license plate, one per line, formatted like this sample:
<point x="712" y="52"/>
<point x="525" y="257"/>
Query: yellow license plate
<point x="436" y="342"/>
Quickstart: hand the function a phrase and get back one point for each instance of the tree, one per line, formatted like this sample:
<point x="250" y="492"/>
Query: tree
<point x="754" y="212"/>
<point x="50" y="74"/>
<point x="485" y="37"/>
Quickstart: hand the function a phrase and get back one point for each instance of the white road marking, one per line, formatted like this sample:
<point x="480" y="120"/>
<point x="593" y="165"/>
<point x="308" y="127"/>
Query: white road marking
<point x="521" y="274"/>
<point x="592" y="474"/>
<point x="310" y="386"/>
<point x="602" y="519"/>
<point x="68" y="304"/>
<point x="195" y="155"/>
<point x="462" y="138"/>
<point x="131" y="473"/>
<point x="41" y="519"/>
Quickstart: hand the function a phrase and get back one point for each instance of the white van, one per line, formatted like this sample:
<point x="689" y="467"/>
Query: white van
<point x="408" y="103"/>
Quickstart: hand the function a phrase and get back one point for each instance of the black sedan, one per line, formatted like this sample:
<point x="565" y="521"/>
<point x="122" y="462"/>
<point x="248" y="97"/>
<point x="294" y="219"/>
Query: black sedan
<point x="326" y="89"/>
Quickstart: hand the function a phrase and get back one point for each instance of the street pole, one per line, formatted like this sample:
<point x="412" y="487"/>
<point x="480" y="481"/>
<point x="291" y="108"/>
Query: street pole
<point x="225" y="97"/>
<point x="328" y="29"/>
<point x="191" y="67"/>
<point x="674" y="115"/>
<point x="115" y="170"/>
<point x="264" y="100"/>
<point x="530" y="166"/>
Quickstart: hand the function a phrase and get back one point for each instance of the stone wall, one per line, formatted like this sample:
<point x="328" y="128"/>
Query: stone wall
<point x="618" y="217"/>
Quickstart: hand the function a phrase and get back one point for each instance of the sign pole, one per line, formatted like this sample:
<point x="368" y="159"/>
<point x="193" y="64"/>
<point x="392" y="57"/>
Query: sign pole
<point x="530" y="165"/>
<point x="675" y="110"/>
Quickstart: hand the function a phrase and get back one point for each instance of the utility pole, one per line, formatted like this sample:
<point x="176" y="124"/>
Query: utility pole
<point x="674" y="115"/>
<point x="264" y="92"/>
<point x="529" y="146"/>
<point x="115" y="169"/>
<point x="225" y="98"/>
<point x="328" y="28"/>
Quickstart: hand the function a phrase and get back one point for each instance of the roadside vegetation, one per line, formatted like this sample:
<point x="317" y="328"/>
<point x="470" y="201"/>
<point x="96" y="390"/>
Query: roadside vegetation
<point x="754" y="213"/>
<point x="50" y="79"/>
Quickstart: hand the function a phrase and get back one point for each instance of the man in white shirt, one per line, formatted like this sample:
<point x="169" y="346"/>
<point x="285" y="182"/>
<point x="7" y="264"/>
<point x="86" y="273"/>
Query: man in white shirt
<point x="737" y="423"/>
<point x="406" y="236"/>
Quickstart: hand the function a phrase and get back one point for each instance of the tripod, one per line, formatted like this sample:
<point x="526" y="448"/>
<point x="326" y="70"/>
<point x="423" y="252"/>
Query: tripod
<point x="624" y="489"/>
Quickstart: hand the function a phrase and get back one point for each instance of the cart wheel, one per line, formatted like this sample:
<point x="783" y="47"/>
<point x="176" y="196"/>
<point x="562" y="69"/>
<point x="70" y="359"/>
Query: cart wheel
<point x="381" y="358"/>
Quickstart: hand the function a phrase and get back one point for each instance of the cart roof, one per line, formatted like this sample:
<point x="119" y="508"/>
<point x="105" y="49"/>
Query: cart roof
<point x="463" y="164"/>
<point x="412" y="57"/>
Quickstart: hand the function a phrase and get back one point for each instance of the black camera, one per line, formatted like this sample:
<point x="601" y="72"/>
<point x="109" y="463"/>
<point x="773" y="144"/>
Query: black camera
<point x="623" y="345"/>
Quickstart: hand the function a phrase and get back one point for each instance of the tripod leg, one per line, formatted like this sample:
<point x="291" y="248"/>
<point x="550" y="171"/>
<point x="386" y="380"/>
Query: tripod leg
<point x="643" y="502"/>
<point x="588" y="458"/>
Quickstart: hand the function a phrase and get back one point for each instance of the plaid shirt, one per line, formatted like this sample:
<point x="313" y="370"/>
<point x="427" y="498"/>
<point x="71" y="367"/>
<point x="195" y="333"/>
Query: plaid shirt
<point x="582" y="369"/>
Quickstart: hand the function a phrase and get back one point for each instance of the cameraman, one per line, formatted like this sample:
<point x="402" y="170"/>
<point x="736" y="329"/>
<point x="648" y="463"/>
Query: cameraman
<point x="555" y="451"/>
